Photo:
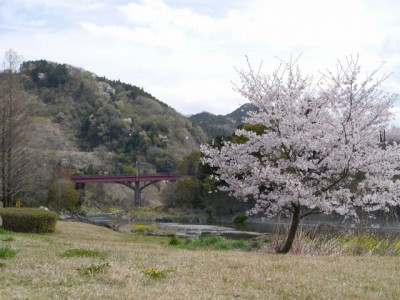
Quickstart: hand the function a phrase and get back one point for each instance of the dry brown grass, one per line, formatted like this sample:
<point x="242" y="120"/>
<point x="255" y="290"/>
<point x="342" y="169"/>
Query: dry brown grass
<point x="39" y="272"/>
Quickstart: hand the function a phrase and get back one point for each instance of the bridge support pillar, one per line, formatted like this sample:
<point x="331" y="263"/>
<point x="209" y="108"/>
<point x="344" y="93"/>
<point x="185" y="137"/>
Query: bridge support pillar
<point x="80" y="187"/>
<point x="138" y="197"/>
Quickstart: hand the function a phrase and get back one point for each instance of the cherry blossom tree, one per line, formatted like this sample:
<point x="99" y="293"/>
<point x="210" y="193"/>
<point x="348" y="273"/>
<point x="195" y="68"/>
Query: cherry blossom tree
<point x="318" y="150"/>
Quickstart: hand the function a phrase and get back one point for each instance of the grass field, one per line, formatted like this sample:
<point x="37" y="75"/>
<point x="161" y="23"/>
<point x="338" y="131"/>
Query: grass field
<point x="82" y="261"/>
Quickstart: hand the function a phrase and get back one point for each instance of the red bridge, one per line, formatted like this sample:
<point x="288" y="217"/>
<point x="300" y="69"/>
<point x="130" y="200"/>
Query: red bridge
<point x="81" y="180"/>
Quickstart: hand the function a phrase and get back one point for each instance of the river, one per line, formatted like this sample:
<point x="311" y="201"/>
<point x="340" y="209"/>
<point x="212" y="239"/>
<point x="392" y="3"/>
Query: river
<point x="255" y="227"/>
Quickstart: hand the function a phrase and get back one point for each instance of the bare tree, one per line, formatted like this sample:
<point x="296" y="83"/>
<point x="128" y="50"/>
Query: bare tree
<point x="14" y="130"/>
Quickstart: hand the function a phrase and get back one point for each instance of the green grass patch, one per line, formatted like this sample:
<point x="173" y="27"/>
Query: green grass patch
<point x="4" y="231"/>
<point x="214" y="242"/>
<point x="7" y="238"/>
<point x="174" y="241"/>
<point x="7" y="252"/>
<point x="81" y="252"/>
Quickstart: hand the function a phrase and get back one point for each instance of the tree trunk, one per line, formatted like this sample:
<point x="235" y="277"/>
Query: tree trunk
<point x="285" y="248"/>
<point x="14" y="131"/>
<point x="4" y="179"/>
<point x="3" y="155"/>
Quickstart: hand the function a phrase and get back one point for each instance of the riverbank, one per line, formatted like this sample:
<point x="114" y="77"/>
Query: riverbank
<point x="154" y="227"/>
<point x="163" y="218"/>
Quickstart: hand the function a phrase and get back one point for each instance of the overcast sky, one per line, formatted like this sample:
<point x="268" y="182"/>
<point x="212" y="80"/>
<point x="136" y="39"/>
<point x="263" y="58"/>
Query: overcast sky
<point x="185" y="52"/>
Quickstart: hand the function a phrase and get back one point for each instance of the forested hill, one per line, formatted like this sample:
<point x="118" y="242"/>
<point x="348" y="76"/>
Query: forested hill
<point x="221" y="125"/>
<point x="77" y="113"/>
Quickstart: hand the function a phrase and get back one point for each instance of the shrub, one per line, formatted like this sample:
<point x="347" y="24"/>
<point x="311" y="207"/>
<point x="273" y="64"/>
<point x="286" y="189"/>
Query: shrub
<point x="62" y="194"/>
<point x="144" y="228"/>
<point x="7" y="252"/>
<point x="140" y="227"/>
<point x="245" y="245"/>
<point x="208" y="240"/>
<point x="396" y="245"/>
<point x="366" y="243"/>
<point x="28" y="219"/>
<point x="186" y="193"/>
<point x="222" y="246"/>
<point x="240" y="218"/>
<point x="174" y="241"/>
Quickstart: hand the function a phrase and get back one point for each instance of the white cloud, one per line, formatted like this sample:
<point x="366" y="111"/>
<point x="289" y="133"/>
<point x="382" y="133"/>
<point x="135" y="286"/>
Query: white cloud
<point x="70" y="5"/>
<point x="185" y="57"/>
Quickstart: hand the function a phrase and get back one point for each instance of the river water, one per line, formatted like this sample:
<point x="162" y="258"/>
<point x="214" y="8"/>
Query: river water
<point x="257" y="226"/>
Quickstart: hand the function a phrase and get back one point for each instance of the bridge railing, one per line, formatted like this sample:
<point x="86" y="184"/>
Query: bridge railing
<point x="124" y="178"/>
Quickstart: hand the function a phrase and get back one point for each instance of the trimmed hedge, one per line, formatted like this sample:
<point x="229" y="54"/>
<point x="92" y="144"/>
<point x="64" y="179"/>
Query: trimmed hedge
<point x="28" y="219"/>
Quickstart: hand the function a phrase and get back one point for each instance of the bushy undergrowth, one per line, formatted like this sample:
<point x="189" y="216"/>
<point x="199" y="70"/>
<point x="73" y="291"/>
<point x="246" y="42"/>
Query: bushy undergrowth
<point x="80" y="252"/>
<point x="28" y="219"/>
<point x="369" y="244"/>
<point x="333" y="243"/>
<point x="215" y="243"/>
<point x="240" y="218"/>
<point x="350" y="244"/>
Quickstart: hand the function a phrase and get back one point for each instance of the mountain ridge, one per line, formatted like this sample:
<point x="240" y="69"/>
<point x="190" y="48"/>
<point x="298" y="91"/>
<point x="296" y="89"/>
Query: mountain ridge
<point x="88" y="124"/>
<point x="222" y="125"/>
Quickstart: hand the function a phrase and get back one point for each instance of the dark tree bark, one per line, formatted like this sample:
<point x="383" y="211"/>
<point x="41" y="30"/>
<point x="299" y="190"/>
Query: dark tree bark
<point x="285" y="248"/>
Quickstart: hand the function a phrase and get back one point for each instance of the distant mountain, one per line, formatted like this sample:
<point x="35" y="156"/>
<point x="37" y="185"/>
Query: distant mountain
<point x="92" y="125"/>
<point x="221" y="125"/>
<point x="92" y="112"/>
<point x="241" y="113"/>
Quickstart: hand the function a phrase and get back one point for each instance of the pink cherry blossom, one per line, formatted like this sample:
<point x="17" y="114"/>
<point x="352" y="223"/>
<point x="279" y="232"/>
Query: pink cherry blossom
<point x="320" y="150"/>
